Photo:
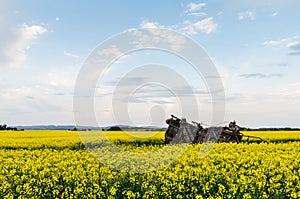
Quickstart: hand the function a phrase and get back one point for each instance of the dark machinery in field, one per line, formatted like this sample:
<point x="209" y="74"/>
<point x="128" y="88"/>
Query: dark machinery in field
<point x="180" y="131"/>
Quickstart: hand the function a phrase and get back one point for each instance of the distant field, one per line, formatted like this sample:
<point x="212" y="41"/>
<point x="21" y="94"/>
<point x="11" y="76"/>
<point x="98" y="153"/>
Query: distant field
<point x="275" y="136"/>
<point x="65" y="139"/>
<point x="55" y="164"/>
<point x="56" y="138"/>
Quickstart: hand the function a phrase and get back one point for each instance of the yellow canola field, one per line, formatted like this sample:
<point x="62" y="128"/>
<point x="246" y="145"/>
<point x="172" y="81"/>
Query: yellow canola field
<point x="55" y="164"/>
<point x="275" y="135"/>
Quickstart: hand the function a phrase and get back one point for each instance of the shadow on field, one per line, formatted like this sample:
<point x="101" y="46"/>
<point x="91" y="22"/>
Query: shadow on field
<point x="139" y="143"/>
<point x="76" y="146"/>
<point x="81" y="146"/>
<point x="275" y="141"/>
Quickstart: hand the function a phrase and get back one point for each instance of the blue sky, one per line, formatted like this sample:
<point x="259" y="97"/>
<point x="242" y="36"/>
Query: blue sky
<point x="255" y="46"/>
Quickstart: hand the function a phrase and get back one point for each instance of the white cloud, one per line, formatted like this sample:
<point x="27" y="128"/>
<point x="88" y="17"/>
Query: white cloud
<point x="287" y="92"/>
<point x="158" y="36"/>
<point x="247" y="15"/>
<point x="29" y="33"/>
<point x="150" y="24"/>
<point x="271" y="43"/>
<point x="63" y="78"/>
<point x="198" y="14"/>
<point x="206" y="26"/>
<point x="192" y="7"/>
<point x="288" y="41"/>
<point x="19" y="40"/>
<point x="59" y="81"/>
<point x="27" y="103"/>
<point x="68" y="54"/>
<point x="293" y="44"/>
<point x="48" y="90"/>
<point x="110" y="51"/>
<point x="57" y="18"/>
<point x="189" y="27"/>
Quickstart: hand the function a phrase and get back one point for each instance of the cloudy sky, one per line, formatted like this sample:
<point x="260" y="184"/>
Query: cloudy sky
<point x="255" y="46"/>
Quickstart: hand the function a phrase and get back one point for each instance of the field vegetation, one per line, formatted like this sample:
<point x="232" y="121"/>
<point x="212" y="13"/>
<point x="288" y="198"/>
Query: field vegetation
<point x="55" y="164"/>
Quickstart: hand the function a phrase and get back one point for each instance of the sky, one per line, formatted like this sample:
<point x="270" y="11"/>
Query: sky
<point x="255" y="46"/>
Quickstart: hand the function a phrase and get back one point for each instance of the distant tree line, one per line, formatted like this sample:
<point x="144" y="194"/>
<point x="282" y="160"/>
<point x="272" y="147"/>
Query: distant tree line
<point x="4" y="127"/>
<point x="76" y="129"/>
<point x="114" y="128"/>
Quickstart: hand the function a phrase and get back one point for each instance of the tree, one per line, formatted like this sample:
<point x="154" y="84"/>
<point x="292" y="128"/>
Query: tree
<point x="3" y="127"/>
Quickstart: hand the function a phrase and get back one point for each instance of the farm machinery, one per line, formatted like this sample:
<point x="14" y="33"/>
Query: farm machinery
<point x="180" y="131"/>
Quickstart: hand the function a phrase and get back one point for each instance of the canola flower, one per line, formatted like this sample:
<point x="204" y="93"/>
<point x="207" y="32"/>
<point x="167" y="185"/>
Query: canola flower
<point x="43" y="164"/>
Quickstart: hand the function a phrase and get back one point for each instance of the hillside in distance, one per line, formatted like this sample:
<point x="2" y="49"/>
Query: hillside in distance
<point x="71" y="127"/>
